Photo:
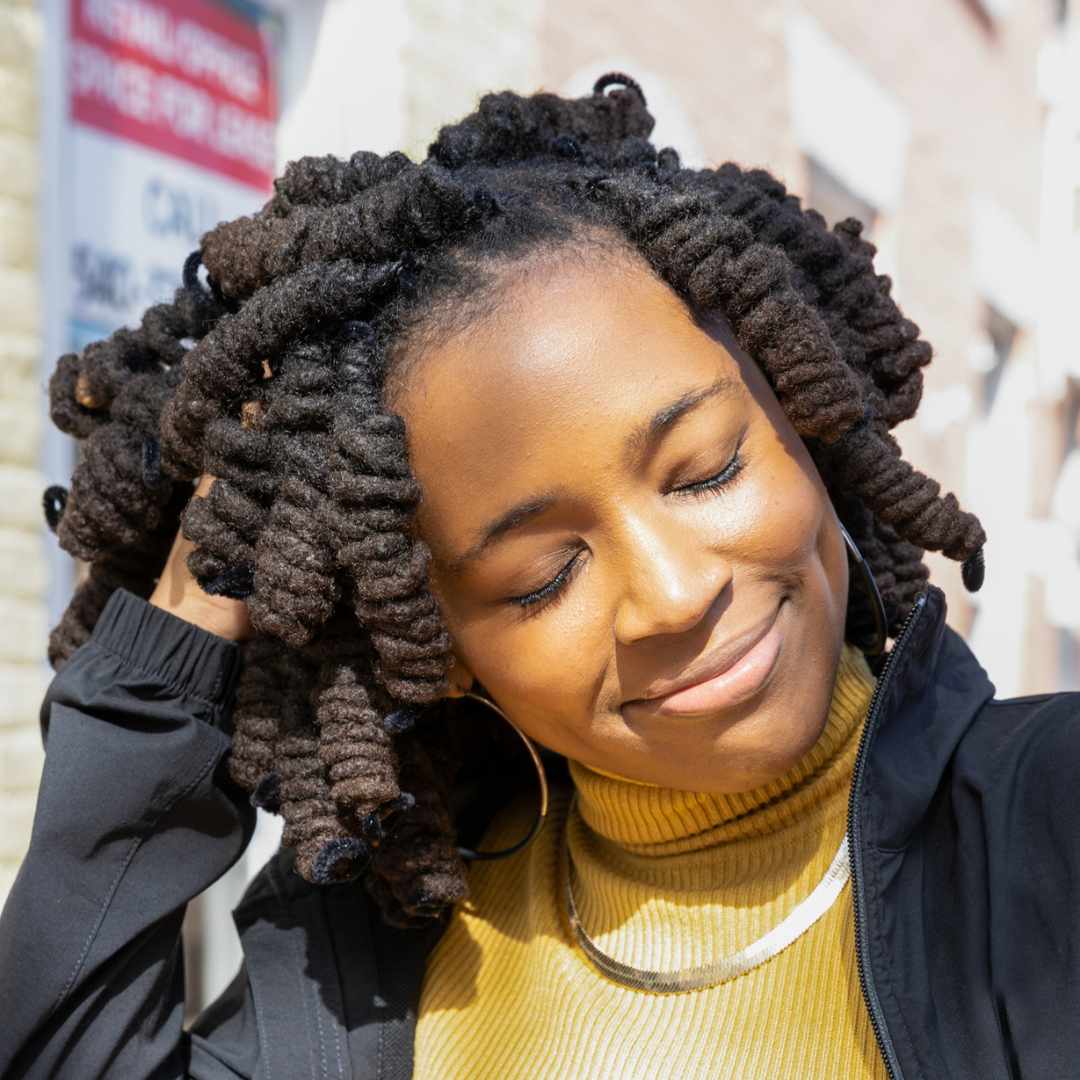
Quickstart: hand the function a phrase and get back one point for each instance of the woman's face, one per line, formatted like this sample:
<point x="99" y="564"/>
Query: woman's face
<point x="618" y="509"/>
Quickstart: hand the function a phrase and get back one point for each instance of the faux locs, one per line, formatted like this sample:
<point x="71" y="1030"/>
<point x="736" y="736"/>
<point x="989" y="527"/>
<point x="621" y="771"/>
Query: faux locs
<point x="268" y="371"/>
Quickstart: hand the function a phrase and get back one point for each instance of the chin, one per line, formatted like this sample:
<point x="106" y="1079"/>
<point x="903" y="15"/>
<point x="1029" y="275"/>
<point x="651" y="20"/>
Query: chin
<point x="728" y="754"/>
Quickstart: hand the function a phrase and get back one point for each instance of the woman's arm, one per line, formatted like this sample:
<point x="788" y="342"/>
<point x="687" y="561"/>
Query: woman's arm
<point x="135" y="816"/>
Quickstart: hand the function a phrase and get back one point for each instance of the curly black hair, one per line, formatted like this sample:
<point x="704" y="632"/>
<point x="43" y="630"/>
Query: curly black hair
<point x="271" y="370"/>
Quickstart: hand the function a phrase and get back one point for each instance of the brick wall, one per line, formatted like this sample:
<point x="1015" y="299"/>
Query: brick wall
<point x="24" y="578"/>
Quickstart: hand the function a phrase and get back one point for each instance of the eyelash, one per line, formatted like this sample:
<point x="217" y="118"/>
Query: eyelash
<point x="550" y="594"/>
<point x="727" y="476"/>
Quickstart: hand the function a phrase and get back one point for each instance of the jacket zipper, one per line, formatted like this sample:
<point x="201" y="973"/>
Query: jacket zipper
<point x="873" y="1005"/>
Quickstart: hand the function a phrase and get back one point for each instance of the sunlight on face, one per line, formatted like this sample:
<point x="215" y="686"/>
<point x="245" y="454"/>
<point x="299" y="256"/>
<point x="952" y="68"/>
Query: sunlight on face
<point x="617" y="507"/>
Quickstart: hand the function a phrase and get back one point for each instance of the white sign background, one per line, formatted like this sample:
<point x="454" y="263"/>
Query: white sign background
<point x="135" y="215"/>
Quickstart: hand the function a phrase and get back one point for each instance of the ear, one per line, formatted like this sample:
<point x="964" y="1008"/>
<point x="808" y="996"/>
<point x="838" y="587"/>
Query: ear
<point x="461" y="679"/>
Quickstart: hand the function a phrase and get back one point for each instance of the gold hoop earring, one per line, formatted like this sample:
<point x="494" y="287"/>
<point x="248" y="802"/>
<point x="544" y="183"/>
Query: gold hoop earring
<point x="471" y="855"/>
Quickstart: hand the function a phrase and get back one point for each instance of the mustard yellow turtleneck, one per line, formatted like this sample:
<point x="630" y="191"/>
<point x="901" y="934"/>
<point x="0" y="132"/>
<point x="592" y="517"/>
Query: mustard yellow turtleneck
<point x="664" y="879"/>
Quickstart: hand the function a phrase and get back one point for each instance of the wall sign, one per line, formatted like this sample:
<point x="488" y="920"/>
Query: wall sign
<point x="170" y="128"/>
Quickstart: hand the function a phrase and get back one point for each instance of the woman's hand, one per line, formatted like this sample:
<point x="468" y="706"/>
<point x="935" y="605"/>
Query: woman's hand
<point x="178" y="592"/>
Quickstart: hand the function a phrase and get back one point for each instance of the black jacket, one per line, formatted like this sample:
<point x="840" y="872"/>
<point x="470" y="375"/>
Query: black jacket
<point x="965" y="841"/>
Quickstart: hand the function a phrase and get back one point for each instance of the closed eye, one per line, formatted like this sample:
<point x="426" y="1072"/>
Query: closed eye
<point x="550" y="593"/>
<point x="718" y="481"/>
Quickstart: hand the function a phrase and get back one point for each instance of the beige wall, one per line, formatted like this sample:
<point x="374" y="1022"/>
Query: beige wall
<point x="22" y="564"/>
<point x="457" y="50"/>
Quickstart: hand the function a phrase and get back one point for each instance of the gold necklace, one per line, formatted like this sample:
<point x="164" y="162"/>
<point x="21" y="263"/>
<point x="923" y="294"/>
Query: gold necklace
<point x="805" y="913"/>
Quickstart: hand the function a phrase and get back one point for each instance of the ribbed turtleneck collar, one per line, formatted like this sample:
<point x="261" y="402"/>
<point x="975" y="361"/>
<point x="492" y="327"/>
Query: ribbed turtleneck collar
<point x="666" y="879"/>
<point x="643" y="819"/>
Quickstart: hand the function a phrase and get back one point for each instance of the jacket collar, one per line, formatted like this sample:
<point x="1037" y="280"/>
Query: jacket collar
<point x="930" y="691"/>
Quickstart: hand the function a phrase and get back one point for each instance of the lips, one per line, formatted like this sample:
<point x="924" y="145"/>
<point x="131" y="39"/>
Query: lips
<point x="724" y="663"/>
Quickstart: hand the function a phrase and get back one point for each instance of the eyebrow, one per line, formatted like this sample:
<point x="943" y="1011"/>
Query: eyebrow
<point x="639" y="442"/>
<point x="643" y="439"/>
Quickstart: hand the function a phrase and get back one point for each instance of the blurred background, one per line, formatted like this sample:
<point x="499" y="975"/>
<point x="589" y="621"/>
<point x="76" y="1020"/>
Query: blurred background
<point x="951" y="128"/>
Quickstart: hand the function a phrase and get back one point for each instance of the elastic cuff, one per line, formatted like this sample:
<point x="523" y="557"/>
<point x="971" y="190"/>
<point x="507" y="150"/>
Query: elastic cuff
<point x="187" y="658"/>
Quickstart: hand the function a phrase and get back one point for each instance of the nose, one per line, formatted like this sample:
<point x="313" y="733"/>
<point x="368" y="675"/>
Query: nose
<point x="671" y="582"/>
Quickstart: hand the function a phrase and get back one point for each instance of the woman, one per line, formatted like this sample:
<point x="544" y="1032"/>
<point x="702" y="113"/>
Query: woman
<point x="546" y="433"/>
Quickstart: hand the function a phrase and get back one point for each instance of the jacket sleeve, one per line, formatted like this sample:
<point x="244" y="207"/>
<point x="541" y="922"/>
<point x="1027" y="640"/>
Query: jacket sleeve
<point x="135" y="816"/>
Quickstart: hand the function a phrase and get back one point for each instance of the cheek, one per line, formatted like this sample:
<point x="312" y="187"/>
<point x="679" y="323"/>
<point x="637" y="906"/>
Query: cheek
<point x="797" y="534"/>
<point x="784" y="517"/>
<point x="538" y="670"/>
<point x="548" y="671"/>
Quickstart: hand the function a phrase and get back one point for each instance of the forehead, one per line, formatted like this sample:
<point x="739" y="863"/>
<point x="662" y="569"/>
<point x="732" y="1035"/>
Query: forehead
<point x="546" y="389"/>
